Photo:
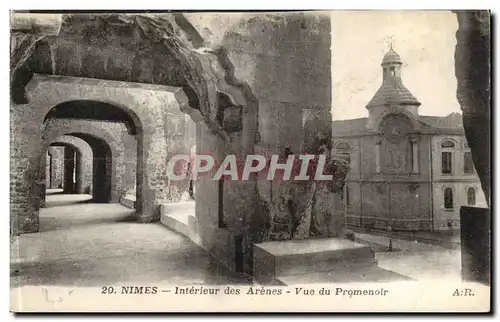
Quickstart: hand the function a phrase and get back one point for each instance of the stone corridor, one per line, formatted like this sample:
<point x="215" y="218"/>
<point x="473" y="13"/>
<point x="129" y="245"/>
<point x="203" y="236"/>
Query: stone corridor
<point x="90" y="245"/>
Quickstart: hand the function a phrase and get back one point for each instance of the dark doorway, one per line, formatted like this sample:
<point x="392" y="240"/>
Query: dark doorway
<point x="102" y="167"/>
<point x="70" y="170"/>
<point x="238" y="254"/>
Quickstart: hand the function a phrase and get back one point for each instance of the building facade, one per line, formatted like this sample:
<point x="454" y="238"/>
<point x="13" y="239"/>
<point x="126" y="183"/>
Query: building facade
<point x="408" y="171"/>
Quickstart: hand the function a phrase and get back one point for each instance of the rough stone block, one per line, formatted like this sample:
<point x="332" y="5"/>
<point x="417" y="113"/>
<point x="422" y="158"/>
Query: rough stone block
<point x="295" y="257"/>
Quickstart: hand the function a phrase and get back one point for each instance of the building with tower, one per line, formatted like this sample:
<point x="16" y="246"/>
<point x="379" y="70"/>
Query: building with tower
<point x="408" y="171"/>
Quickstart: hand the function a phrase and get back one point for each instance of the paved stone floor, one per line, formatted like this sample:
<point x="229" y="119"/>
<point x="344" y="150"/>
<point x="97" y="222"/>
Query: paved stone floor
<point x="99" y="244"/>
<point x="419" y="261"/>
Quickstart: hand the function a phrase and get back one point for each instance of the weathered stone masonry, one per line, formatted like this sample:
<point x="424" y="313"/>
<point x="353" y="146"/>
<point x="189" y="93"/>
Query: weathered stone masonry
<point x="57" y="156"/>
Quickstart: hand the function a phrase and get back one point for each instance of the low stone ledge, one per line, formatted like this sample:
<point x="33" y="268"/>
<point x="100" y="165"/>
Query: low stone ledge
<point x="273" y="260"/>
<point x="128" y="201"/>
<point x="181" y="218"/>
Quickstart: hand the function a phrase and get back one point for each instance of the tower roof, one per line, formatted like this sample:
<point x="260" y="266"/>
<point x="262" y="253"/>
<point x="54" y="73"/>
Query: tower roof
<point x="392" y="57"/>
<point x="392" y="90"/>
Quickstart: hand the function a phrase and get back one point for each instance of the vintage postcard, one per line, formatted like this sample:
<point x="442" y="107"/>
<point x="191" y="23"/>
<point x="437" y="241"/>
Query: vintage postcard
<point x="315" y="161"/>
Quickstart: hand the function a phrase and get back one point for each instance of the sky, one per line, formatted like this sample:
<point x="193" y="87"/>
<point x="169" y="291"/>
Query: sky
<point x="425" y="40"/>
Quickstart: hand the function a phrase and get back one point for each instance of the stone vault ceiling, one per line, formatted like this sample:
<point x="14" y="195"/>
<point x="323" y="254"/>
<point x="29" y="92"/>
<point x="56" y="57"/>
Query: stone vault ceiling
<point x="102" y="46"/>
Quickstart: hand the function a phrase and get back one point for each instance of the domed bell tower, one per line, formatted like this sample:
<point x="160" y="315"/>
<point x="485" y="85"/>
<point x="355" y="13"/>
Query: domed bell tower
<point x="392" y="96"/>
<point x="391" y="64"/>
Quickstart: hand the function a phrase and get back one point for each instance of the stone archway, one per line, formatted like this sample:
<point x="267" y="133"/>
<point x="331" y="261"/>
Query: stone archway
<point x="102" y="169"/>
<point x="84" y="175"/>
<point x="140" y="101"/>
<point x="104" y="144"/>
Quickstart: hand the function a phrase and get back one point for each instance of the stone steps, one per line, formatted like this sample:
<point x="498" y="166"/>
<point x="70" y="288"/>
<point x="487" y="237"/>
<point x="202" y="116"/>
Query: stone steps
<point x="369" y="274"/>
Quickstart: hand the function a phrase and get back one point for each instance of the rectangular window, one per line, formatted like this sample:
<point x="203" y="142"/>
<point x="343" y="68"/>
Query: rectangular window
<point x="448" y="198"/>
<point x="468" y="164"/>
<point x="446" y="162"/>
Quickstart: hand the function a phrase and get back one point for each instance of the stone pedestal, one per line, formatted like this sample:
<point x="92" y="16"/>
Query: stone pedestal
<point x="475" y="242"/>
<point x="280" y="259"/>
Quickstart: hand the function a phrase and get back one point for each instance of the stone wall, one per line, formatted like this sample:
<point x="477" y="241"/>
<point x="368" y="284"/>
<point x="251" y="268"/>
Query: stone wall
<point x="214" y="234"/>
<point x="378" y="200"/>
<point x="57" y="175"/>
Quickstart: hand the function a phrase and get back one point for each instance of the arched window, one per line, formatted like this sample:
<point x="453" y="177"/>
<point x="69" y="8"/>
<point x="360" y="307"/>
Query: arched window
<point x="448" y="198"/>
<point x="447" y="157"/>
<point x="342" y="146"/>
<point x="447" y="144"/>
<point x="471" y="196"/>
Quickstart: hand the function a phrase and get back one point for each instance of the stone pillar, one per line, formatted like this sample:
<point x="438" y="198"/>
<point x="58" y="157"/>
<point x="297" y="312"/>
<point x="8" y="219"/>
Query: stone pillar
<point x="414" y="149"/>
<point x="130" y="161"/>
<point x="80" y="172"/>
<point x="48" y="171"/>
<point x="102" y="177"/>
<point x="26" y="181"/>
<point x="152" y="183"/>
<point x="26" y="186"/>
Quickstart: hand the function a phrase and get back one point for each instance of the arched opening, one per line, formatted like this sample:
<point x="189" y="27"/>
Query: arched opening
<point x="93" y="110"/>
<point x="68" y="171"/>
<point x="70" y="167"/>
<point x="101" y="167"/>
<point x="79" y="166"/>
<point x="85" y="119"/>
